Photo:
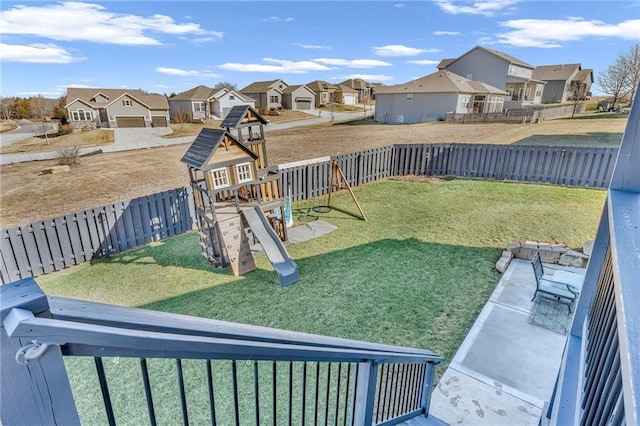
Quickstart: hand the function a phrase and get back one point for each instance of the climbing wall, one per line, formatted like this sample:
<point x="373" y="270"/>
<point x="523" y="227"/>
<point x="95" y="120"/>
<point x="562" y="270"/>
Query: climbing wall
<point x="236" y="244"/>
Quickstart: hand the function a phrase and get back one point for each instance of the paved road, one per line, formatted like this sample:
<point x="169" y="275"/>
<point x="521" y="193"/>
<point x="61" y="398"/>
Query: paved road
<point x="152" y="137"/>
<point x="26" y="129"/>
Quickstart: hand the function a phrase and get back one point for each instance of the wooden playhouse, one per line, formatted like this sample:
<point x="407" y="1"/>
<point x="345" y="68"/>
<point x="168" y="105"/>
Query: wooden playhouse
<point x="237" y="195"/>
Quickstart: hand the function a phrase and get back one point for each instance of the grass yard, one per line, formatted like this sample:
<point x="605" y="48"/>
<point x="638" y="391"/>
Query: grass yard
<point x="86" y="139"/>
<point x="416" y="274"/>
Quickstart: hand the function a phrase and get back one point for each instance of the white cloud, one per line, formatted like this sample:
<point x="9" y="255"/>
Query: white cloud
<point x="480" y="7"/>
<point x="424" y="62"/>
<point x="370" y="77"/>
<point x="353" y="63"/>
<point x="445" y="33"/>
<point x="186" y="73"/>
<point x="552" y="33"/>
<point x="278" y="19"/>
<point x="400" y="50"/>
<point x="93" y="23"/>
<point x="36" y="53"/>
<point x="276" y="66"/>
<point x="312" y="46"/>
<point x="399" y="5"/>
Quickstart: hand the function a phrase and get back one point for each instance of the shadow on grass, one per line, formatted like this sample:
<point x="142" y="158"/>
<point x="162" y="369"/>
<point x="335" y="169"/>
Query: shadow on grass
<point x="599" y="139"/>
<point x="405" y="292"/>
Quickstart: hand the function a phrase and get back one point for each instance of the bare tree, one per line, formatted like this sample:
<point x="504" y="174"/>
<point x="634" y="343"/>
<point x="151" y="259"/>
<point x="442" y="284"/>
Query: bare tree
<point x="5" y="107"/>
<point x="40" y="107"/>
<point x="181" y="116"/>
<point x="226" y="85"/>
<point x="615" y="79"/>
<point x="632" y="59"/>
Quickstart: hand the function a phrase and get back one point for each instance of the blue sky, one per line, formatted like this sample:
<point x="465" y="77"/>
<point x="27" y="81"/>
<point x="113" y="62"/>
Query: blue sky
<point x="172" y="46"/>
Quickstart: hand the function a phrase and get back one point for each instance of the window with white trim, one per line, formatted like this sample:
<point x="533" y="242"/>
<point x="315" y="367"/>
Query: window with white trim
<point x="127" y="102"/>
<point x="198" y="107"/>
<point x="243" y="171"/>
<point x="409" y="96"/>
<point x="274" y="99"/>
<point x="81" y="115"/>
<point x="220" y="178"/>
<point x="466" y="102"/>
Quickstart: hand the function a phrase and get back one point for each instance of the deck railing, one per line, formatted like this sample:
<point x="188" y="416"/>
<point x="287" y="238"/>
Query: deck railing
<point x="599" y="380"/>
<point x="246" y="374"/>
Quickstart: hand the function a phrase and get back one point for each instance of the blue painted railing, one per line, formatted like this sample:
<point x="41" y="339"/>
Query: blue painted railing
<point x="248" y="374"/>
<point x="599" y="380"/>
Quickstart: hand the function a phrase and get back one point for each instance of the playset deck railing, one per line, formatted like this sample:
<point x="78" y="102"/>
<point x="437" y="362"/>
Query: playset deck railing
<point x="248" y="374"/>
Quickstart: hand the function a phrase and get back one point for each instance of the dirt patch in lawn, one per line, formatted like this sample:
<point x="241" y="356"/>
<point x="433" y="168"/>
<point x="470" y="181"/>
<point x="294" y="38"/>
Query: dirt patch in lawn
<point x="28" y="195"/>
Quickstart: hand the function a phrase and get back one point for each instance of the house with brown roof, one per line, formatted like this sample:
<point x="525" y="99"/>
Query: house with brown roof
<point x="364" y="88"/>
<point x="581" y="85"/>
<point x="345" y="95"/>
<point x="95" y="108"/>
<point x="298" y="97"/>
<point x="500" y="70"/>
<point x="430" y="97"/>
<point x="203" y="102"/>
<point x="560" y="86"/>
<point x="267" y="94"/>
<point x="324" y="92"/>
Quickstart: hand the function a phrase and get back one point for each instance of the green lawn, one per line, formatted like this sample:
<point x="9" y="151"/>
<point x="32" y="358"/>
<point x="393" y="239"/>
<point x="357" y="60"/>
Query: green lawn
<point x="416" y="274"/>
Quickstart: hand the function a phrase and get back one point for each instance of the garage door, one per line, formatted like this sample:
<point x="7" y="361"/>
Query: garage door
<point x="303" y="103"/>
<point x="130" y="121"/>
<point x="159" y="121"/>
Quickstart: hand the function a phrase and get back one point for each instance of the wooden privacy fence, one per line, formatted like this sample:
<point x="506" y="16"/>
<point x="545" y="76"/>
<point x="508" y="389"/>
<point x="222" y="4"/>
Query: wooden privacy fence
<point x="54" y="244"/>
<point x="572" y="166"/>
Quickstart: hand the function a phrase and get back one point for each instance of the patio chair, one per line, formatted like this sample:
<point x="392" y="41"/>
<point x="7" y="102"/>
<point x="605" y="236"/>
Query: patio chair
<point x="563" y="286"/>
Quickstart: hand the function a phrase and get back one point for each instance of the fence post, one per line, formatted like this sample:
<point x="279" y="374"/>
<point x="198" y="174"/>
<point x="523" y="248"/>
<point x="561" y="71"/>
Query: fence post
<point x="367" y="375"/>
<point x="37" y="392"/>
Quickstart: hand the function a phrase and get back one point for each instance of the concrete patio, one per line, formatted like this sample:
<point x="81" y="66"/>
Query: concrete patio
<point x="506" y="368"/>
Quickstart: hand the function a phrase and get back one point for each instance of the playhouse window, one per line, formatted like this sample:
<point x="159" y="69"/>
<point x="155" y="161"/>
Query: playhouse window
<point x="220" y="179"/>
<point x="127" y="102"/>
<point x="244" y="172"/>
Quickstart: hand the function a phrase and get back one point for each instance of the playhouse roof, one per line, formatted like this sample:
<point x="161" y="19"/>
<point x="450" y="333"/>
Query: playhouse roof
<point x="238" y="113"/>
<point x="206" y="143"/>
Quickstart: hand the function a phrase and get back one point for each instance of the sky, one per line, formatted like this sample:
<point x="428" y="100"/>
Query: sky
<point x="172" y="46"/>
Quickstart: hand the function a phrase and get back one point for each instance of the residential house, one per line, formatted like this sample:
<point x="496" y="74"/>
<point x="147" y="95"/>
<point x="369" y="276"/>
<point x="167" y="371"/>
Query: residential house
<point x="203" y="102"/>
<point x="298" y="97"/>
<point x="324" y="91"/>
<point x="581" y="85"/>
<point x="365" y="89"/>
<point x="345" y="95"/>
<point x="430" y="97"/>
<point x="267" y="94"/>
<point x="96" y="108"/>
<point x="559" y="81"/>
<point x="499" y="70"/>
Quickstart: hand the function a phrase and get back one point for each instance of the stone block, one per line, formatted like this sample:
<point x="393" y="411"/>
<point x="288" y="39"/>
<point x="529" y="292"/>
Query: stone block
<point x="513" y="247"/>
<point x="573" y="258"/>
<point x="503" y="263"/>
<point x="530" y="245"/>
<point x="549" y="256"/>
<point x="544" y="246"/>
<point x="55" y="169"/>
<point x="561" y="248"/>
<point x="526" y="253"/>
<point x="587" y="249"/>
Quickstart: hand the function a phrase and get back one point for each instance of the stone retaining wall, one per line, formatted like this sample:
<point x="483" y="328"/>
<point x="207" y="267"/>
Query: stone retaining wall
<point x="549" y="253"/>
